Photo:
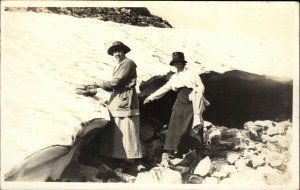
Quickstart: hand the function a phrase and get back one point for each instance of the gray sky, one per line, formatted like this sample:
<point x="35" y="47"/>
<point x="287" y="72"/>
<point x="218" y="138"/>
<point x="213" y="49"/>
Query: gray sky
<point x="276" y="22"/>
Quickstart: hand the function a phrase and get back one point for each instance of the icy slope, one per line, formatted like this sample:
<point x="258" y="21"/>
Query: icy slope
<point x="44" y="57"/>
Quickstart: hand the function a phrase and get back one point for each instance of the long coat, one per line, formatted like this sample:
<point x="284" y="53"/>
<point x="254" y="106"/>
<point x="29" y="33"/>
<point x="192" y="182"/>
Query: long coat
<point x="124" y="100"/>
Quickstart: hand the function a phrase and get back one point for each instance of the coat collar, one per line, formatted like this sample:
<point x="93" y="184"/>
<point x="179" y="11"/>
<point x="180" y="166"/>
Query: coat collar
<point x="118" y="66"/>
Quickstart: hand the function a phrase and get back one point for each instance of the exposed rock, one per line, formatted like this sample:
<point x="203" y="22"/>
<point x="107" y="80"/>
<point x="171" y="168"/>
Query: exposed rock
<point x="267" y="170"/>
<point x="248" y="125"/>
<point x="220" y="175"/>
<point x="232" y="157"/>
<point x="242" y="163"/>
<point x="259" y="147"/>
<point x="124" y="177"/>
<point x="274" y="159"/>
<point x="159" y="175"/>
<point x="280" y="140"/>
<point x="257" y="160"/>
<point x="278" y="129"/>
<point x="207" y="125"/>
<point x="284" y="125"/>
<point x="266" y="123"/>
<point x="256" y="132"/>
<point x="265" y="138"/>
<point x="271" y="147"/>
<point x="289" y="134"/>
<point x="204" y="167"/>
<point x="230" y="133"/>
<point x="215" y="135"/>
<point x="176" y="161"/>
<point x="194" y="179"/>
<point x="229" y="169"/>
<point x="210" y="181"/>
<point x="218" y="163"/>
<point x="248" y="154"/>
<point x="139" y="16"/>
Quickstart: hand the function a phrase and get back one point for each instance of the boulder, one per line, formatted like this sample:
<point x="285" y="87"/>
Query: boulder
<point x="220" y="175"/>
<point x="265" y="138"/>
<point x="124" y="177"/>
<point x="256" y="132"/>
<point x="266" y="123"/>
<point x="176" y="161"/>
<point x="194" y="179"/>
<point x="257" y="128"/>
<point x="232" y="157"/>
<point x="284" y="125"/>
<point x="266" y="169"/>
<point x="228" y="169"/>
<point x="274" y="159"/>
<point x="289" y="133"/>
<point x="271" y="147"/>
<point x="230" y="133"/>
<point x="275" y="130"/>
<point x="257" y="160"/>
<point x="159" y="175"/>
<point x="248" y="154"/>
<point x="215" y="136"/>
<point x="218" y="163"/>
<point x="248" y="125"/>
<point x="210" y="181"/>
<point x="204" y="167"/>
<point x="280" y="140"/>
<point x="207" y="125"/>
<point x="240" y="164"/>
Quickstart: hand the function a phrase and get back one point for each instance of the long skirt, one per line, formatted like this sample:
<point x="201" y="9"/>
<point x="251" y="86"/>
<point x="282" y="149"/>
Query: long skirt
<point x="122" y="139"/>
<point x="180" y="136"/>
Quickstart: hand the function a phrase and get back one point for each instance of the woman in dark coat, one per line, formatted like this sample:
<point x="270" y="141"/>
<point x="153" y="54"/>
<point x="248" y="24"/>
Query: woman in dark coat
<point x="185" y="129"/>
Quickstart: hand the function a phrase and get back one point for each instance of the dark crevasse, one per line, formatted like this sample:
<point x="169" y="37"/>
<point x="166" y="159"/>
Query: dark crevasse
<point x="235" y="96"/>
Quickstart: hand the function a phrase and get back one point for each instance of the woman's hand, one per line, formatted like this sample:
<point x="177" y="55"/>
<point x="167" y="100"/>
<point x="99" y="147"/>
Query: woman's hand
<point x="147" y="100"/>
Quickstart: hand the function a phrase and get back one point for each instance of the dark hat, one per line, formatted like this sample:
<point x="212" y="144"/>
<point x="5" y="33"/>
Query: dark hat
<point x="177" y="56"/>
<point x="118" y="46"/>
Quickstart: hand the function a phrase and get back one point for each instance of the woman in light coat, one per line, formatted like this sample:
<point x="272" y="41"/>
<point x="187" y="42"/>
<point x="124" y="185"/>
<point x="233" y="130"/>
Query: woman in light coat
<point x="185" y="129"/>
<point x="121" y="139"/>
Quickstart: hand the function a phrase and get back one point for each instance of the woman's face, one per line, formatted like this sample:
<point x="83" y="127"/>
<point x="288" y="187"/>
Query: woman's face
<point x="178" y="65"/>
<point x="119" y="55"/>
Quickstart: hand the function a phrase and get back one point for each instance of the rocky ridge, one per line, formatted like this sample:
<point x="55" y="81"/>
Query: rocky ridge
<point x="138" y="16"/>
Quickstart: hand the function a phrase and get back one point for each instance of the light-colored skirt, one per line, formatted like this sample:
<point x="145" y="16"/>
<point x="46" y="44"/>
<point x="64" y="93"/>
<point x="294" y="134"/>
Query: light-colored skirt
<point x="122" y="139"/>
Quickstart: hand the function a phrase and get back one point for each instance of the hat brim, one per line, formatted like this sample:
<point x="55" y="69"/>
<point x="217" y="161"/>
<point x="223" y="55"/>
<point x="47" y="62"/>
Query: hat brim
<point x="111" y="50"/>
<point x="177" y="60"/>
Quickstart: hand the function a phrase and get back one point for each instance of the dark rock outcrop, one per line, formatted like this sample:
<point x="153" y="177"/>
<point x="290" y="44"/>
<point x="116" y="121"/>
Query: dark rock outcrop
<point x="139" y="16"/>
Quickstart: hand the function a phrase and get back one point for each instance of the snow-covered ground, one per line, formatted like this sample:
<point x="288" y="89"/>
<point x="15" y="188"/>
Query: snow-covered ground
<point x="45" y="56"/>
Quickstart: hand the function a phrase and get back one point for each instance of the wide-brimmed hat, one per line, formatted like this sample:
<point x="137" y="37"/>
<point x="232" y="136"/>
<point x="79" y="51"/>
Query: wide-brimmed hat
<point x="177" y="56"/>
<point x="118" y="46"/>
